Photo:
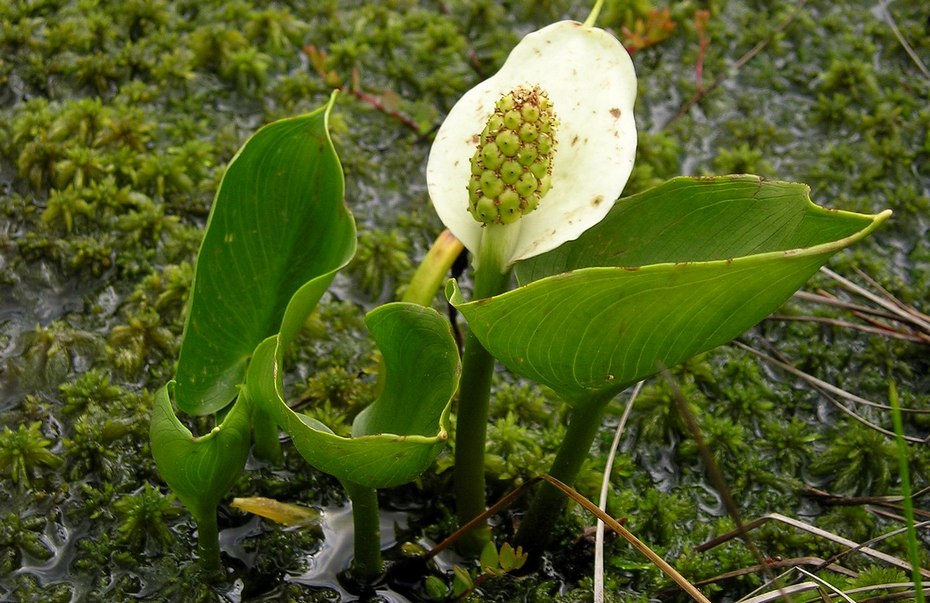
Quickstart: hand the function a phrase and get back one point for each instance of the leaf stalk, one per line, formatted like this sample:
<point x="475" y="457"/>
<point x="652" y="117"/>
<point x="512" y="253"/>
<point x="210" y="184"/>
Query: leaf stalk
<point x="548" y="503"/>
<point x="472" y="419"/>
<point x="367" y="566"/>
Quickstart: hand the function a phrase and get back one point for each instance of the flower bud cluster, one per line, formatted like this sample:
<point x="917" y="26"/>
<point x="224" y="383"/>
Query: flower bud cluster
<point x="512" y="166"/>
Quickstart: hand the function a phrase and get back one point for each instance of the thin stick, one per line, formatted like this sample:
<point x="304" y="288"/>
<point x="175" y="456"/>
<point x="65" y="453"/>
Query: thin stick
<point x="895" y="307"/>
<point x="845" y="324"/>
<point x="699" y="96"/>
<point x="602" y="502"/>
<point x="820" y="383"/>
<point x="795" y="523"/>
<point x="823" y="298"/>
<point x="873" y="283"/>
<point x="907" y="47"/>
<point x="480" y="520"/>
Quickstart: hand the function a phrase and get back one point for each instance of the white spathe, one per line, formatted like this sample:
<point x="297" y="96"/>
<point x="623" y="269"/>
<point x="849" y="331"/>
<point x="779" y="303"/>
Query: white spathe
<point x="589" y="77"/>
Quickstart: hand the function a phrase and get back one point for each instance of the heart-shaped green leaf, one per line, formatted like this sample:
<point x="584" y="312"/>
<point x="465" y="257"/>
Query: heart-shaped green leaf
<point x="199" y="470"/>
<point x="398" y="436"/>
<point x="669" y="273"/>
<point x="277" y="234"/>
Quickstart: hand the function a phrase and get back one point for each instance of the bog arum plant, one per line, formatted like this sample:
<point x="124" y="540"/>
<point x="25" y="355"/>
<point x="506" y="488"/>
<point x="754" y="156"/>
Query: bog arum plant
<point x="525" y="171"/>
<point x="278" y="233"/>
<point x="525" y="161"/>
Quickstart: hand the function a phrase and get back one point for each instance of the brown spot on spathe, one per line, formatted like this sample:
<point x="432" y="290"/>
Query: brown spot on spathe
<point x="597" y="200"/>
<point x="615" y="112"/>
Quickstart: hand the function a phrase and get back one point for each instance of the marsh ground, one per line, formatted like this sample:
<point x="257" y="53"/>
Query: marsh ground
<point x="116" y="120"/>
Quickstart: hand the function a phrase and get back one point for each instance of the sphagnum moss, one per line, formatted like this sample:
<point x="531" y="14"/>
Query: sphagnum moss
<point x="167" y="122"/>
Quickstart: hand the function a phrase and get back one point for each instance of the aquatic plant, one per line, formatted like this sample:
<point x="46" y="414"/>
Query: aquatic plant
<point x="24" y="451"/>
<point x="530" y="150"/>
<point x="526" y="172"/>
<point x="610" y="293"/>
<point x="279" y="216"/>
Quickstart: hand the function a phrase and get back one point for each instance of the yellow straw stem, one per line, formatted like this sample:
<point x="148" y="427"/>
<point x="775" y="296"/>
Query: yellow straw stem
<point x="592" y="16"/>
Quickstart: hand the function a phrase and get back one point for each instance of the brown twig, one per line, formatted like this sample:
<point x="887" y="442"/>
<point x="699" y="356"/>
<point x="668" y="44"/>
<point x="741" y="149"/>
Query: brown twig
<point x="635" y="542"/>
<point x="377" y="103"/>
<point x="701" y="18"/>
<point x="845" y="324"/>
<point x="820" y="384"/>
<point x="700" y="94"/>
<point x="592" y="508"/>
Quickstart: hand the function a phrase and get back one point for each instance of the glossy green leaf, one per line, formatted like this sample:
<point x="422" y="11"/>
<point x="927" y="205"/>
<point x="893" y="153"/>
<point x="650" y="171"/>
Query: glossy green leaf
<point x="277" y="233"/>
<point x="397" y="436"/>
<point x="199" y="470"/>
<point x="670" y="272"/>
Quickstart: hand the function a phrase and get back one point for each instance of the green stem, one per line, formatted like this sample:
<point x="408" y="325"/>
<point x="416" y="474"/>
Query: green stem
<point x="907" y="502"/>
<point x="367" y="566"/>
<point x="429" y="277"/>
<point x="208" y="541"/>
<point x="547" y="505"/>
<point x="265" y="432"/>
<point x="433" y="270"/>
<point x="472" y="419"/>
<point x="592" y="16"/>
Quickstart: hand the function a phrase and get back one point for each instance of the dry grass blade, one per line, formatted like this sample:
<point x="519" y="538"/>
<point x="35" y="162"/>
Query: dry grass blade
<point x="826" y="586"/>
<point x="794" y="589"/>
<point x="831" y="300"/>
<point x="809" y="586"/>
<point x="602" y="502"/>
<point x="796" y="523"/>
<point x="876" y="540"/>
<point x="886" y="301"/>
<point x="635" y="542"/>
<point x="889" y="515"/>
<point x="901" y="39"/>
<point x="779" y="563"/>
<point x="889" y="317"/>
<point x="899" y="596"/>
<point x="882" y="330"/>
<point x="909" y="309"/>
<point x="825" y="387"/>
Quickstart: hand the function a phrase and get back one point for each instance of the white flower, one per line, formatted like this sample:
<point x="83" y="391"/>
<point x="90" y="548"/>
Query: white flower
<point x="588" y="77"/>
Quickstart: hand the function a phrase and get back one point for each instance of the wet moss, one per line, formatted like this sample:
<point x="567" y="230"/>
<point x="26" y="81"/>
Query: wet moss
<point x="117" y="119"/>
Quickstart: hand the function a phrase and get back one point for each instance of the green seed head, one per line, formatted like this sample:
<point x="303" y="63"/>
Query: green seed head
<point x="512" y="164"/>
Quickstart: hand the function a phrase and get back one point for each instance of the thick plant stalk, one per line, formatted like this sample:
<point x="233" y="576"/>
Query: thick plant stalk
<point x="367" y="566"/>
<point x="472" y="419"/>
<point x="548" y="503"/>
<point x="208" y="541"/>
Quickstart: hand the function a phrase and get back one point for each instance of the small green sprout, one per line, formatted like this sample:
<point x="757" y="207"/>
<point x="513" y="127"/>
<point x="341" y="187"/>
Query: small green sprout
<point x="24" y="451"/>
<point x="144" y="516"/>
